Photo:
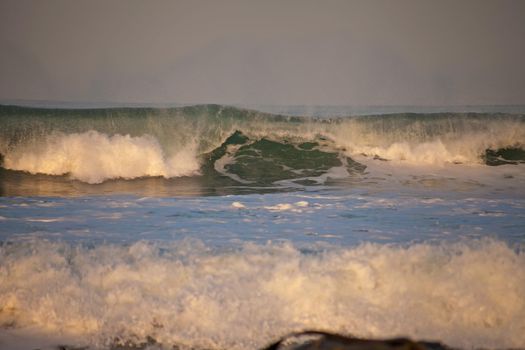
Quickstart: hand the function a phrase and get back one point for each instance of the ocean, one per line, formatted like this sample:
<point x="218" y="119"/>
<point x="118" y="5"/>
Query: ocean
<point x="220" y="227"/>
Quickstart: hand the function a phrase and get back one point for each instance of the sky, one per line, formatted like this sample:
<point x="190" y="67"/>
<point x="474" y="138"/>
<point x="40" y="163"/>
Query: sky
<point x="288" y="52"/>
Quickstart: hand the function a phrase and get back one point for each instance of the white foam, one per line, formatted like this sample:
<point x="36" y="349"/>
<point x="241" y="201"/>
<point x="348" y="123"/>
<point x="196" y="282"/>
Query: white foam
<point x="46" y="219"/>
<point x="456" y="140"/>
<point x="469" y="294"/>
<point x="445" y="177"/>
<point x="94" y="157"/>
<point x="228" y="159"/>
<point x="296" y="207"/>
<point x="279" y="207"/>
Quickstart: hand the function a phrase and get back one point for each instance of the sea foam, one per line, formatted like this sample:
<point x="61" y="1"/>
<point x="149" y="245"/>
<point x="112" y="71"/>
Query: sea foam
<point x="94" y="157"/>
<point x="466" y="294"/>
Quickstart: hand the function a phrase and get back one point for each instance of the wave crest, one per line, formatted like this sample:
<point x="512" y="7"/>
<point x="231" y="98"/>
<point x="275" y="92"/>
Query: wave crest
<point x="93" y="157"/>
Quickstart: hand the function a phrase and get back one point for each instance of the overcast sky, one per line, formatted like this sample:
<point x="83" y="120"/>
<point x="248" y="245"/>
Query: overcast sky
<point x="264" y="52"/>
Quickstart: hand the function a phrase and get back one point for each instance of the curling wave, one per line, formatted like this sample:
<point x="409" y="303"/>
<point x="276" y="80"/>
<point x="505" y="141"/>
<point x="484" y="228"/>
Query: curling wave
<point x="94" y="145"/>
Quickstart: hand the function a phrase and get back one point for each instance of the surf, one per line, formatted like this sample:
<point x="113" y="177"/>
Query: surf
<point x="96" y="145"/>
<point x="188" y="294"/>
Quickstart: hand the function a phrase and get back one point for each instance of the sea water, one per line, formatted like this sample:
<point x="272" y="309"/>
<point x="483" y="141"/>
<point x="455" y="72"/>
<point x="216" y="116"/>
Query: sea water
<point x="226" y="228"/>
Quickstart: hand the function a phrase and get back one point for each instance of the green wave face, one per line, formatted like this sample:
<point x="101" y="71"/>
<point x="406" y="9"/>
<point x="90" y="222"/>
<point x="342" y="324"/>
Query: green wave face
<point x="265" y="162"/>
<point x="268" y="161"/>
<point x="505" y="155"/>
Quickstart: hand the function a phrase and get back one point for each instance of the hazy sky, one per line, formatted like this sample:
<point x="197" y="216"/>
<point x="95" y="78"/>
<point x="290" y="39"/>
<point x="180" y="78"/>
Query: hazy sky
<point x="264" y="52"/>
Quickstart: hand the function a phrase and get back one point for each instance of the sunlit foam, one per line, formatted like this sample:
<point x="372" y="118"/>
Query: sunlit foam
<point x="469" y="294"/>
<point x="94" y="157"/>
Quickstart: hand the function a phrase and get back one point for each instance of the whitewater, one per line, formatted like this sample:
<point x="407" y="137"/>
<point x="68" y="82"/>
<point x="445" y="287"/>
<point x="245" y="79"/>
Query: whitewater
<point x="220" y="227"/>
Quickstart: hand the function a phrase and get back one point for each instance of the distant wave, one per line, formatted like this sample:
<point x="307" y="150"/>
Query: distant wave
<point x="93" y="145"/>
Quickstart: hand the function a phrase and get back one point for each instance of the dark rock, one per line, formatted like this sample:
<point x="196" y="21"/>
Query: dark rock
<point x="313" y="340"/>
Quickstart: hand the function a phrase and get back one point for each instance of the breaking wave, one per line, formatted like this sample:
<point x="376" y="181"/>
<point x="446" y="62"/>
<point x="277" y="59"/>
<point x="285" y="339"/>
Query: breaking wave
<point x="94" y="157"/>
<point x="94" y="145"/>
